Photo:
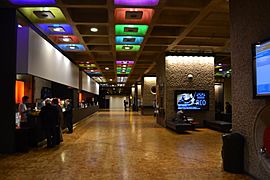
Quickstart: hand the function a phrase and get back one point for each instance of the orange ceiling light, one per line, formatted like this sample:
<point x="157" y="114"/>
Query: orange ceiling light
<point x="19" y="91"/>
<point x="133" y="15"/>
<point x="62" y="39"/>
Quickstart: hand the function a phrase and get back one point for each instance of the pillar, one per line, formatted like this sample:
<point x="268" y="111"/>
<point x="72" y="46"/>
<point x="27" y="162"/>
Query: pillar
<point x="8" y="45"/>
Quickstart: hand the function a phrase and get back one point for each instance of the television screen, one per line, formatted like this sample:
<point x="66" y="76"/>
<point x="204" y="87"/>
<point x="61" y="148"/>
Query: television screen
<point x="262" y="68"/>
<point x="192" y="100"/>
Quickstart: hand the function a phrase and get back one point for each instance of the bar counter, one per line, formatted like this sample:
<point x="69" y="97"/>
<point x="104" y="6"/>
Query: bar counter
<point x="35" y="129"/>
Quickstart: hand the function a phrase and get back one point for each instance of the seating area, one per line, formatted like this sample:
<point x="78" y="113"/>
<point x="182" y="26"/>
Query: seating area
<point x="222" y="123"/>
<point x="180" y="127"/>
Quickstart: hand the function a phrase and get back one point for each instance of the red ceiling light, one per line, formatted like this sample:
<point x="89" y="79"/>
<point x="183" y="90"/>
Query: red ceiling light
<point x="60" y="39"/>
<point x="133" y="15"/>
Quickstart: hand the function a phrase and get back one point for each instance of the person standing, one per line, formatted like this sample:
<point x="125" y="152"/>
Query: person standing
<point x="59" y="136"/>
<point x="23" y="110"/>
<point x="228" y="108"/>
<point x="69" y="116"/>
<point x="49" y="116"/>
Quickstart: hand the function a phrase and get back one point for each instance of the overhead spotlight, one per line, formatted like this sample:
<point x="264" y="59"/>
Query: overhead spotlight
<point x="93" y="29"/>
<point x="107" y="68"/>
<point x="110" y="79"/>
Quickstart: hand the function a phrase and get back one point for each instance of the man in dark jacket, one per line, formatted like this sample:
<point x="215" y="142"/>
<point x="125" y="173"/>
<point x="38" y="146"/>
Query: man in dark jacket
<point x="69" y="115"/>
<point x="49" y="115"/>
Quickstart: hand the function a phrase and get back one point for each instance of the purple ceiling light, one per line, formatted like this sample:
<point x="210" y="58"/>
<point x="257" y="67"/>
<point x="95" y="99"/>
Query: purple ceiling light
<point x="33" y="2"/>
<point x="128" y="62"/>
<point x="136" y="2"/>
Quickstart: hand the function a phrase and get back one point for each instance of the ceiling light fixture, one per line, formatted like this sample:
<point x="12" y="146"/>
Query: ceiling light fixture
<point x="107" y="68"/>
<point x="93" y="29"/>
<point x="19" y="26"/>
<point x="110" y="79"/>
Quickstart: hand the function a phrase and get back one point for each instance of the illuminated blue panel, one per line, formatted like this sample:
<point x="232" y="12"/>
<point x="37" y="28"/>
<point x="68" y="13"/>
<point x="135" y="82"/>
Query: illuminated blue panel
<point x="128" y="40"/>
<point x="56" y="29"/>
<point x="71" y="47"/>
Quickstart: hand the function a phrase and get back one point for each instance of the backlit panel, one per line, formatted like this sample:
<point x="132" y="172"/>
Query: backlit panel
<point x="120" y="15"/>
<point x="136" y="2"/>
<point x="56" y="29"/>
<point x="131" y="30"/>
<point x="51" y="14"/>
<point x="33" y="2"/>
<point x="128" y="47"/>
<point x="129" y="40"/>
<point x="87" y="65"/>
<point x="126" y="62"/>
<point x="64" y="39"/>
<point x="71" y="47"/>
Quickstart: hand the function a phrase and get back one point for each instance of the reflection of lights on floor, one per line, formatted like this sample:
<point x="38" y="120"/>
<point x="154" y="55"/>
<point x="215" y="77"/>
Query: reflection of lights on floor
<point x="63" y="155"/>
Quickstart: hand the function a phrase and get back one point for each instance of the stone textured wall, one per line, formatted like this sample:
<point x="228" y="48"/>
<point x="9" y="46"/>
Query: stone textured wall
<point x="147" y="96"/>
<point x="176" y="71"/>
<point x="249" y="23"/>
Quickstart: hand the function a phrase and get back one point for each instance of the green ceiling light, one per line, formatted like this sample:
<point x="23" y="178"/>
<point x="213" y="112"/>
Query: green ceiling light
<point x="87" y="65"/>
<point x="46" y="15"/>
<point x="128" y="47"/>
<point x="131" y="30"/>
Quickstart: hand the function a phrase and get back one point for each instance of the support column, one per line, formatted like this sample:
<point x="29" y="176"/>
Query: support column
<point x="8" y="48"/>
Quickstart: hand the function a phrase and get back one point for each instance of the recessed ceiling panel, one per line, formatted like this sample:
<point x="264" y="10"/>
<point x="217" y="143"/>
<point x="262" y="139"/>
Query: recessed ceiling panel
<point x="64" y="39"/>
<point x="71" y="47"/>
<point x="85" y="30"/>
<point x="89" y="15"/>
<point x="136" y="2"/>
<point x="44" y="15"/>
<point x="128" y="47"/>
<point x="33" y="2"/>
<point x="56" y="29"/>
<point x="129" y="40"/>
<point x="131" y="30"/>
<point x="166" y="31"/>
<point x="133" y="15"/>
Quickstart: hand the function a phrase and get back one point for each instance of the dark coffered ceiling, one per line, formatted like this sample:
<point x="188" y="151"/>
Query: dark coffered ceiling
<point x="184" y="26"/>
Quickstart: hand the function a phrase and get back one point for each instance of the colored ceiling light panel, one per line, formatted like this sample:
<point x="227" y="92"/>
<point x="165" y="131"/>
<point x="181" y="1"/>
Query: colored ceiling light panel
<point x="122" y="79"/>
<point x="131" y="30"/>
<point x="44" y="14"/>
<point x="33" y="2"/>
<point x="133" y="15"/>
<point x="64" y="39"/>
<point x="128" y="47"/>
<point x="72" y="47"/>
<point x="56" y="29"/>
<point x="125" y="62"/>
<point x="129" y="40"/>
<point x="136" y="2"/>
<point x="87" y="65"/>
<point x="93" y="72"/>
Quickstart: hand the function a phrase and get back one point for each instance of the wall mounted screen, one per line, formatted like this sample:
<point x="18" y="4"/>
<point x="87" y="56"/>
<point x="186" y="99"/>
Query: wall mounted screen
<point x="262" y="68"/>
<point x="191" y="100"/>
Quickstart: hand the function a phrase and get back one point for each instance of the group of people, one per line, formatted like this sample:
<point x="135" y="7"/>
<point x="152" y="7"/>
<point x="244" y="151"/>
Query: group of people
<point x="51" y="116"/>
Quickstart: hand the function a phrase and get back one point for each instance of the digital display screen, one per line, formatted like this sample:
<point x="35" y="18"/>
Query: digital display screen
<point x="192" y="100"/>
<point x="262" y="68"/>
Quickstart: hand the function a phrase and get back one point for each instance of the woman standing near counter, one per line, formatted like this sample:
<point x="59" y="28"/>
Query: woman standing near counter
<point x="23" y="110"/>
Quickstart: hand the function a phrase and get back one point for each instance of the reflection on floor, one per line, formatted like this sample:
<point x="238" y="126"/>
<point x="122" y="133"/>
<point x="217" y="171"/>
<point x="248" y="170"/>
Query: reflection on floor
<point x="122" y="145"/>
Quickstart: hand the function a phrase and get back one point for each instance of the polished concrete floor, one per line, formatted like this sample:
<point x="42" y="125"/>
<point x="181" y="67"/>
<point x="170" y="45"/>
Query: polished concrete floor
<point x="122" y="145"/>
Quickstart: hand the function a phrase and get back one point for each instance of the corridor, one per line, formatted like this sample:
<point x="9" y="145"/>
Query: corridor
<point x="122" y="145"/>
